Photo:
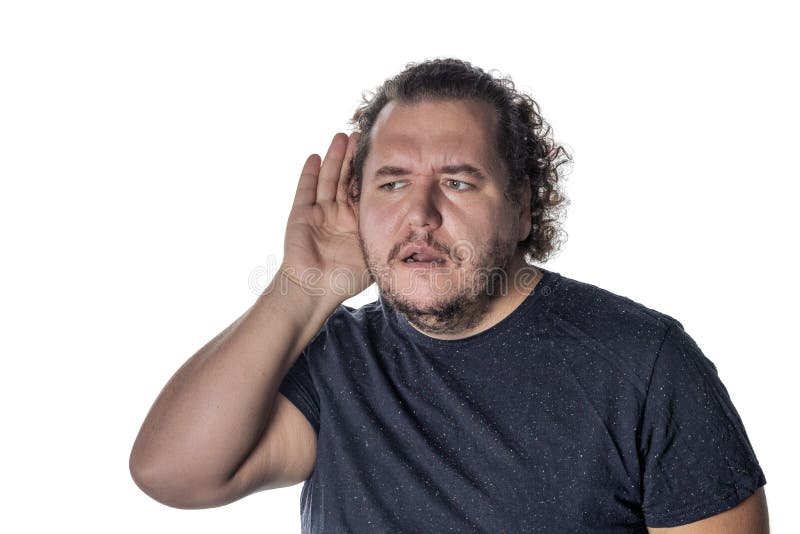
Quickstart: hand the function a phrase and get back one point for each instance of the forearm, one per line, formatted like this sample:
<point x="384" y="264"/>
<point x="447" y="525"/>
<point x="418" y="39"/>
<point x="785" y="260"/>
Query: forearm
<point x="210" y="414"/>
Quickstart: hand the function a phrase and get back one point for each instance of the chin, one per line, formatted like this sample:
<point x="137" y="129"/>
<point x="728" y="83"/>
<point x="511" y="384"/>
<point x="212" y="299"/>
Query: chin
<point x="422" y="300"/>
<point x="451" y="314"/>
<point x="429" y="301"/>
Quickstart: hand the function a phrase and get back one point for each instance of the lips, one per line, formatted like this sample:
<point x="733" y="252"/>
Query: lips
<point x="421" y="254"/>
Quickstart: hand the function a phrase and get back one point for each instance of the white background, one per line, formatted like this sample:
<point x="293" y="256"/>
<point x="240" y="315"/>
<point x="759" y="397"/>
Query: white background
<point x="149" y="153"/>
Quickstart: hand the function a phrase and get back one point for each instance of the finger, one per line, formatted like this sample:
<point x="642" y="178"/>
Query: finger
<point x="331" y="166"/>
<point x="344" y="175"/>
<point x="306" y="193"/>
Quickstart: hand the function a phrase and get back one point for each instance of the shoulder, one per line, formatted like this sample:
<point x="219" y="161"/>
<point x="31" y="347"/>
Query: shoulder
<point x="347" y="322"/>
<point x="599" y="323"/>
<point x="582" y="303"/>
<point x="345" y="316"/>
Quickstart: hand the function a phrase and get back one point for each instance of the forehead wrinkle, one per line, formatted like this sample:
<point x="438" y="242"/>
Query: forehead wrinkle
<point x="418" y="159"/>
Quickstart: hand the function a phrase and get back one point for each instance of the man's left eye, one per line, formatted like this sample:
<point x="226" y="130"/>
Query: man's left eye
<point x="458" y="185"/>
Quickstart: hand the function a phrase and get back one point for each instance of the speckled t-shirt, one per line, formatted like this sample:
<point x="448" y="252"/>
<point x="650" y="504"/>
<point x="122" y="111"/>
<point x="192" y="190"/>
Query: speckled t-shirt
<point x="581" y="411"/>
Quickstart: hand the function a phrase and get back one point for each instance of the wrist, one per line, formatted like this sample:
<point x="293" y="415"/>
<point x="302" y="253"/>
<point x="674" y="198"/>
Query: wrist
<point x="307" y="289"/>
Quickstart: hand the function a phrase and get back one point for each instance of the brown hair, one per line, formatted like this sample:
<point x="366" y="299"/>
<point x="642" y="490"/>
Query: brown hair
<point x="524" y="139"/>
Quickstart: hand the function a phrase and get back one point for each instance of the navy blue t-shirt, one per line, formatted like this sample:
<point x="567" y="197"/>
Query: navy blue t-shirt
<point x="581" y="411"/>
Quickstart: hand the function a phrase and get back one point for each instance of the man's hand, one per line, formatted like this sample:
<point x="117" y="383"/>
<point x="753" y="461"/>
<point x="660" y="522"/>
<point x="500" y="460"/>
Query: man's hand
<point x="321" y="249"/>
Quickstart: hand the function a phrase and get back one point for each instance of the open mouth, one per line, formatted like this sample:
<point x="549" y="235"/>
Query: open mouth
<point x="424" y="259"/>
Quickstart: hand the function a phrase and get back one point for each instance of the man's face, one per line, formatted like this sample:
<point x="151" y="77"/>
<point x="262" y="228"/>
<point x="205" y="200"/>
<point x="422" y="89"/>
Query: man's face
<point x="433" y="219"/>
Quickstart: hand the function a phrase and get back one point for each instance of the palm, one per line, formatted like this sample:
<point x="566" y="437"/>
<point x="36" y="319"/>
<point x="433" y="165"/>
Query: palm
<point x="321" y="233"/>
<point x="322" y="236"/>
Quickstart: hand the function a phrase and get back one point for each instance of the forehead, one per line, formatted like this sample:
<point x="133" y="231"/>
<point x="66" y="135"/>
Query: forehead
<point x="434" y="133"/>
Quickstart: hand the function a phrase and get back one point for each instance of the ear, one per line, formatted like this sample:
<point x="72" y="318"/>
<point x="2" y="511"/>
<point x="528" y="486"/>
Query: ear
<point x="525" y="211"/>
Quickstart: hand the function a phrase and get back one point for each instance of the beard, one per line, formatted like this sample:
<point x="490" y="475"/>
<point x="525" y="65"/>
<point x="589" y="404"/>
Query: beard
<point x="482" y="277"/>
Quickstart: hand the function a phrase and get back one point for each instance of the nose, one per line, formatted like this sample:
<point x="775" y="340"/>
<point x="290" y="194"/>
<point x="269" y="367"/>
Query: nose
<point x="423" y="209"/>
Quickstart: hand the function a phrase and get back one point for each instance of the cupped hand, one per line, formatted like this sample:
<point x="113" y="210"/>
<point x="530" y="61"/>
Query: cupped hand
<point x="321" y="249"/>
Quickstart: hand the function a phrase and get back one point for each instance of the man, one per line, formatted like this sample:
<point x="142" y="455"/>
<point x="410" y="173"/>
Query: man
<point x="479" y="393"/>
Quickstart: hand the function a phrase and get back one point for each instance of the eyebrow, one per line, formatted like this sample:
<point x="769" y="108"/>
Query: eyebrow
<point x="462" y="168"/>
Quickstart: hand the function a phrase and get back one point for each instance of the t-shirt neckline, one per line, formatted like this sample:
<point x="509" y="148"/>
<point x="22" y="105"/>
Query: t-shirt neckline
<point x="544" y="287"/>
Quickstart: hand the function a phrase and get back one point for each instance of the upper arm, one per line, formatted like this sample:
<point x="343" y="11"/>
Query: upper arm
<point x="284" y="455"/>
<point x="696" y="458"/>
<point x="748" y="517"/>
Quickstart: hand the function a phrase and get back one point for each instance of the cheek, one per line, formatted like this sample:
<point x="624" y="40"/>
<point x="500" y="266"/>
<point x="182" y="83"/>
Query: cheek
<point x="378" y="220"/>
<point x="375" y="230"/>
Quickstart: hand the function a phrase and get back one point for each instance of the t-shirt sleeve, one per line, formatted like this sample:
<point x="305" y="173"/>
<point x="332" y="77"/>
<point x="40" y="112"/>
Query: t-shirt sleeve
<point x="697" y="460"/>
<point x="298" y="387"/>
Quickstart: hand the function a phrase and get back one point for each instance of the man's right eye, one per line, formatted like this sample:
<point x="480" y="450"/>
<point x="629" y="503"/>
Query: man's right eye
<point x="391" y="186"/>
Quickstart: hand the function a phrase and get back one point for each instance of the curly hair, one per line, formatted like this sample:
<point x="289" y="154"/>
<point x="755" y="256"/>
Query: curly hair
<point x="524" y="140"/>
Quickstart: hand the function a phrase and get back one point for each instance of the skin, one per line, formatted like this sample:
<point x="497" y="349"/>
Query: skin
<point x="468" y="220"/>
